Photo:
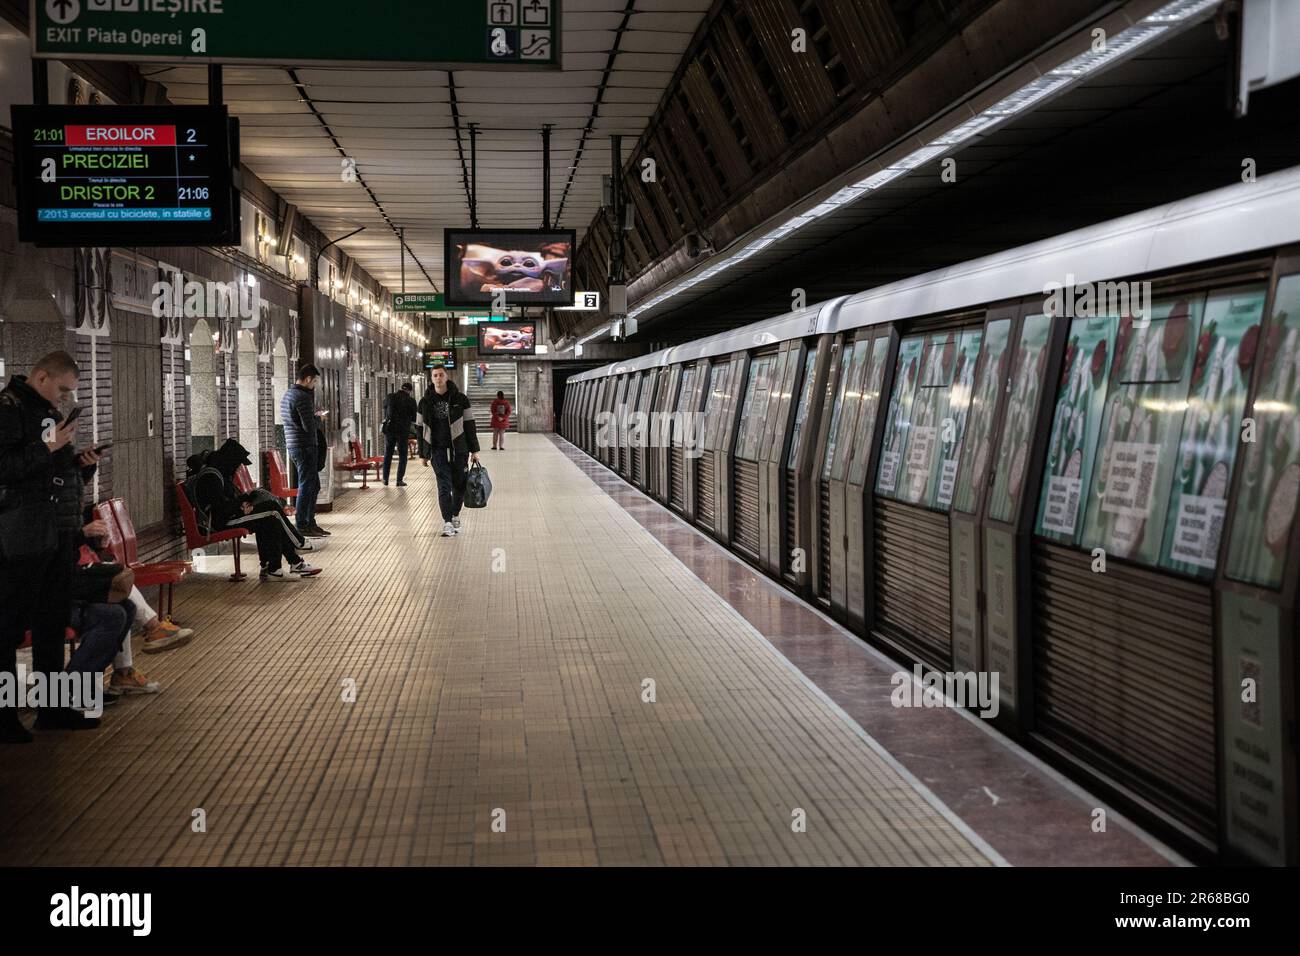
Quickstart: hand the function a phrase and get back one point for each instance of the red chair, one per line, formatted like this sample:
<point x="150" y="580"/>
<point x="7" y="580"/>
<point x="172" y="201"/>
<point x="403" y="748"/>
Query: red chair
<point x="280" y="484"/>
<point x="359" y="462"/>
<point x="123" y="544"/>
<point x="197" y="539"/>
<point x="244" y="480"/>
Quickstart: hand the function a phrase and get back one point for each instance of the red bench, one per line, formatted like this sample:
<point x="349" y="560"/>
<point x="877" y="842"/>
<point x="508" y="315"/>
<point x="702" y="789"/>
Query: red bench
<point x="359" y="462"/>
<point x="281" y="486"/>
<point x="244" y="480"/>
<point x="124" y="546"/>
<point x="196" y="539"/>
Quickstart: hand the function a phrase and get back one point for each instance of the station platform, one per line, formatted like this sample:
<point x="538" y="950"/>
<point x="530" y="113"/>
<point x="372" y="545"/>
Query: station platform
<point x="500" y="713"/>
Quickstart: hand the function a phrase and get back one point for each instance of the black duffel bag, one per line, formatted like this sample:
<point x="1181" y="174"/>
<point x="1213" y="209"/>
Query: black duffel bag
<point x="478" y="486"/>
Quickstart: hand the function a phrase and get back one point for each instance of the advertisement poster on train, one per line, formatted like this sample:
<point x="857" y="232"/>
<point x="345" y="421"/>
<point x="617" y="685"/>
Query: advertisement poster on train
<point x="963" y="378"/>
<point x="1221" y="370"/>
<point x="1028" y="367"/>
<point x="1270" y="479"/>
<point x="900" y="411"/>
<point x="990" y="375"/>
<point x="1129" y="496"/>
<point x="1076" y="425"/>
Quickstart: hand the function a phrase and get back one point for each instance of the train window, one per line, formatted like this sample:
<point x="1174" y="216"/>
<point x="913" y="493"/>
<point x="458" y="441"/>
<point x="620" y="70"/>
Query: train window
<point x="1076" y="426"/>
<point x="990" y="376"/>
<point x="932" y="391"/>
<point x="1017" y="438"/>
<point x="782" y="387"/>
<point x="752" y="412"/>
<point x="846" y="356"/>
<point x="1266" y="502"/>
<point x="801" y="410"/>
<point x="853" y="399"/>
<point x="620" y="409"/>
<point x="1155" y="498"/>
<point x="866" y="425"/>
<point x="683" y="403"/>
<point x="1223" y="359"/>
<point x="713" y="403"/>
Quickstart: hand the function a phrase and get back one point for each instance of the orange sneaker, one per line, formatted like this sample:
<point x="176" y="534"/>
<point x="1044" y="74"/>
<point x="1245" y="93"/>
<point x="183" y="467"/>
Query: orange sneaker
<point x="132" y="682"/>
<point x="162" y="635"/>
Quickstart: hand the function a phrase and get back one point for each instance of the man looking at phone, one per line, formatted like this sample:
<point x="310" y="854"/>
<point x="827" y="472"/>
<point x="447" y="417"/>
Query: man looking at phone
<point x="36" y="557"/>
<point x="301" y="425"/>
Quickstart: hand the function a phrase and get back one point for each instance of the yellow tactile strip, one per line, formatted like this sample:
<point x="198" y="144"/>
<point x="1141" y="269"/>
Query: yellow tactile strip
<point x="478" y="691"/>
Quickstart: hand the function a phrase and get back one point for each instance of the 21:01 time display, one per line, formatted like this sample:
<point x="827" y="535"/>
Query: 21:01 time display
<point x="191" y="193"/>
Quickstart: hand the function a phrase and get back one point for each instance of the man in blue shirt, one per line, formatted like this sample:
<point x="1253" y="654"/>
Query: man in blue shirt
<point x="301" y="429"/>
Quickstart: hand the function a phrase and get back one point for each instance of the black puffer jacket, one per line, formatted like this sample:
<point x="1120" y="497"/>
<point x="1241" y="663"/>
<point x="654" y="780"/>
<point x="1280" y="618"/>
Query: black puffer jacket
<point x="460" y="421"/>
<point x="26" y="469"/>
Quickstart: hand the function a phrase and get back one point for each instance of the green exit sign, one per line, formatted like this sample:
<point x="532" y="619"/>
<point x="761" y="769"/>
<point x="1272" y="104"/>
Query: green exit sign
<point x="458" y="342"/>
<point x="418" y="303"/>
<point x="446" y="33"/>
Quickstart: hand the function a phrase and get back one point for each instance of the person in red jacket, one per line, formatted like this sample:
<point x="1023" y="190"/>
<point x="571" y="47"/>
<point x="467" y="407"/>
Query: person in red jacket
<point x="500" y="421"/>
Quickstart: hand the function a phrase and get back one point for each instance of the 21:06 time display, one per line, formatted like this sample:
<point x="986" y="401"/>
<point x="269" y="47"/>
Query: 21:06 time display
<point x="191" y="193"/>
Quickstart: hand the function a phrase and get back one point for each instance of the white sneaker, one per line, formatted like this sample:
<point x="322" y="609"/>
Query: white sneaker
<point x="448" y="530"/>
<point x="455" y="523"/>
<point x="276" y="575"/>
<point x="304" y="570"/>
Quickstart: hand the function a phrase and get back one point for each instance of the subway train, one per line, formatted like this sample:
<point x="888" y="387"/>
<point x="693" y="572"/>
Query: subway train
<point x="1074" y="464"/>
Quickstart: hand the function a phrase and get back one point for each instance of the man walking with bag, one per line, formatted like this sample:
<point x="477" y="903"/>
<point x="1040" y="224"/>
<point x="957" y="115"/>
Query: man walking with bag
<point x="399" y="416"/>
<point x="451" y="438"/>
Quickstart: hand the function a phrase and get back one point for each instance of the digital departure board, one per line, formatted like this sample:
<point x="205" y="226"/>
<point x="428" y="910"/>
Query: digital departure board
<point x="125" y="175"/>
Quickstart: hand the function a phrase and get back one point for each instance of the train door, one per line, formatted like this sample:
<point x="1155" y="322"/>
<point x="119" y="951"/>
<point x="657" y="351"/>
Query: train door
<point x="914" y="484"/>
<point x="832" y="404"/>
<point x="745" y="502"/>
<point x="618" y="458"/>
<point x="835" y="468"/>
<point x="677" y="440"/>
<point x="728" y="426"/>
<point x="800" y="493"/>
<point x="966" y="519"/>
<point x="1256" y="601"/>
<point x="1147" y="424"/>
<point x="605" y="425"/>
<point x="630" y="437"/>
<point x="658" y="436"/>
<point x="589" y="416"/>
<point x="706" y="468"/>
<point x="692" y="424"/>
<point x="771" y="454"/>
<point x="644" y="400"/>
<point x="859" y="502"/>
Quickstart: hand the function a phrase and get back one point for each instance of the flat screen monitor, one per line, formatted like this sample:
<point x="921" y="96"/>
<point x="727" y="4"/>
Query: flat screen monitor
<point x="507" y="338"/>
<point x="440" y="358"/>
<point x="531" y="266"/>
<point x="125" y="175"/>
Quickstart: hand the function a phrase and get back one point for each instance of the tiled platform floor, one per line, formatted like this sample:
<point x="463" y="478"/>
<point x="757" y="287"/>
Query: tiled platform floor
<point x="500" y="679"/>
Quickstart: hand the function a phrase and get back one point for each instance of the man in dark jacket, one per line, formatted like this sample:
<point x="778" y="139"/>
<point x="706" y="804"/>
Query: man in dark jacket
<point x="399" y="416"/>
<point x="451" y="442"/>
<point x="37" y="549"/>
<point x="301" y="429"/>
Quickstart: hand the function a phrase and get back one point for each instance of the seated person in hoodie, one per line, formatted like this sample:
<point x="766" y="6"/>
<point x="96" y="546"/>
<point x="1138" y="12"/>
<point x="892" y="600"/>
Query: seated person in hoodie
<point x="212" y="491"/>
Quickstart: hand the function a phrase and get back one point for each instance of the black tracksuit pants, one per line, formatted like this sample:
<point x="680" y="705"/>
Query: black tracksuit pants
<point x="451" y="468"/>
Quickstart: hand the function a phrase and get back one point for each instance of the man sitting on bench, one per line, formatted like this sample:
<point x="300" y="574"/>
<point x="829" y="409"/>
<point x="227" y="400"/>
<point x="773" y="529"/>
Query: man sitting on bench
<point x="218" y="504"/>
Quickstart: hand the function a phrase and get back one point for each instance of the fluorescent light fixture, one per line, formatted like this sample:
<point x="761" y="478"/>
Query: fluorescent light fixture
<point x="1118" y="47"/>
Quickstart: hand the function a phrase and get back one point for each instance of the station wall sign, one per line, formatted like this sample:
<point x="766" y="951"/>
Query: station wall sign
<point x="431" y="302"/>
<point x="125" y="176"/>
<point x="458" y="342"/>
<point x="449" y="33"/>
<point x="582" y="302"/>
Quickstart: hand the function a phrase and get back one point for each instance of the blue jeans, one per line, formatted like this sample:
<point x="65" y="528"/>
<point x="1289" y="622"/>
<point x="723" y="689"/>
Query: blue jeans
<point x="101" y="629"/>
<point x="308" y="486"/>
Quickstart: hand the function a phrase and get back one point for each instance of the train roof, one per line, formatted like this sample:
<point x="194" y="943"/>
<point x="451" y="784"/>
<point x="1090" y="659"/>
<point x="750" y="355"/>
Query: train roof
<point x="1235" y="220"/>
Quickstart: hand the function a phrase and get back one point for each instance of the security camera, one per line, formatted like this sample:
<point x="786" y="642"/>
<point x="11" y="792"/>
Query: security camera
<point x="698" y="244"/>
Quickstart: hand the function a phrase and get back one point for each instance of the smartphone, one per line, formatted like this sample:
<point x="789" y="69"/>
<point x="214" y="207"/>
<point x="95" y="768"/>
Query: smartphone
<point x="103" y="448"/>
<point x="72" y="415"/>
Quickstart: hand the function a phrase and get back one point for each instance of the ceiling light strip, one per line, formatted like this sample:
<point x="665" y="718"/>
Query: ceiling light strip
<point x="1119" y="47"/>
